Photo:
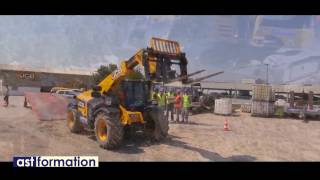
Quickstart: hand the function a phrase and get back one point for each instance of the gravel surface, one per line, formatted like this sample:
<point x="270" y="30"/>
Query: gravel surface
<point x="250" y="139"/>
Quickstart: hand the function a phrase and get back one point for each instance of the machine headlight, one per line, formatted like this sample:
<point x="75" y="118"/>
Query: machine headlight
<point x="133" y="116"/>
<point x="108" y="101"/>
<point x="81" y="104"/>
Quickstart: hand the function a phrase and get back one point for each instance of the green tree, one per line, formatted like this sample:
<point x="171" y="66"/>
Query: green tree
<point x="135" y="75"/>
<point x="103" y="71"/>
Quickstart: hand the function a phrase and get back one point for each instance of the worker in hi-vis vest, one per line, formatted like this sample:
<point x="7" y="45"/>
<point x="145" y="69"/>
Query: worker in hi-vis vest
<point x="177" y="105"/>
<point x="6" y="96"/>
<point x="170" y="102"/>
<point x="186" y="104"/>
<point x="154" y="94"/>
<point x="166" y="93"/>
<point x="161" y="99"/>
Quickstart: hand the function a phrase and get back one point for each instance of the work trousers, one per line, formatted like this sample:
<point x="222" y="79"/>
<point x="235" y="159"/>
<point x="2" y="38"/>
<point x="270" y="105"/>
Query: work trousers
<point x="6" y="99"/>
<point x="185" y="114"/>
<point x="178" y="113"/>
<point x="170" y="110"/>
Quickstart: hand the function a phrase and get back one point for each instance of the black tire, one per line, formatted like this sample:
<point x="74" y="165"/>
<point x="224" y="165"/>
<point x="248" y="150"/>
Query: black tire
<point x="157" y="125"/>
<point x="73" y="121"/>
<point x="212" y="109"/>
<point x="127" y="132"/>
<point x="112" y="128"/>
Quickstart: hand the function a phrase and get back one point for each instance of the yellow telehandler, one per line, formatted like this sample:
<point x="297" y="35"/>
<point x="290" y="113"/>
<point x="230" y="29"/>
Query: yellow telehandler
<point x="116" y="103"/>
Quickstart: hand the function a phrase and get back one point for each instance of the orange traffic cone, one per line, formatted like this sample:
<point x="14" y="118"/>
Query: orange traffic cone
<point x="226" y="125"/>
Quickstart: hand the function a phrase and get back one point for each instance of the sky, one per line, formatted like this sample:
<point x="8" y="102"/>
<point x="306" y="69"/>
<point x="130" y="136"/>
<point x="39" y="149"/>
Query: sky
<point x="90" y="41"/>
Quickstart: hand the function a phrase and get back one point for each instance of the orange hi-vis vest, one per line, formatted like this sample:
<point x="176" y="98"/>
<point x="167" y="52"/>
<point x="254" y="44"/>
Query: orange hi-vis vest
<point x="177" y="102"/>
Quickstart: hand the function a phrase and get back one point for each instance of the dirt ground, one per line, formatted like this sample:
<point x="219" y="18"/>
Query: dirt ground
<point x="250" y="139"/>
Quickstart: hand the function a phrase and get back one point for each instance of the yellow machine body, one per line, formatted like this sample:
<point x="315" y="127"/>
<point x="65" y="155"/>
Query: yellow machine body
<point x="165" y="47"/>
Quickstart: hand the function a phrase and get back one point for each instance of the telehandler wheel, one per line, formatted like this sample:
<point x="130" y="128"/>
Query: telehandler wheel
<point x="73" y="121"/>
<point x="108" y="131"/>
<point x="157" y="125"/>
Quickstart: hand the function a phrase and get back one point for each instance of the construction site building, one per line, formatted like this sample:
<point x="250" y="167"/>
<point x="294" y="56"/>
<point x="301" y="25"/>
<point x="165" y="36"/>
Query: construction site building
<point x="22" y="79"/>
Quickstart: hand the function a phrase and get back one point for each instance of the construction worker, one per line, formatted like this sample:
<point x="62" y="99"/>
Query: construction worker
<point x="177" y="105"/>
<point x="154" y="94"/>
<point x="186" y="104"/>
<point x="6" y="96"/>
<point x="170" y="105"/>
<point x="166" y="93"/>
<point x="161" y="99"/>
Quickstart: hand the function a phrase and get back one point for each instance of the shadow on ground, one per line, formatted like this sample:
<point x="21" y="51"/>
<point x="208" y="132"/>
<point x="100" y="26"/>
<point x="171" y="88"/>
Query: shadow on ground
<point x="130" y="145"/>
<point x="136" y="144"/>
<point x="235" y="115"/>
<point x="296" y="118"/>
<point x="212" y="156"/>
<point x="193" y="123"/>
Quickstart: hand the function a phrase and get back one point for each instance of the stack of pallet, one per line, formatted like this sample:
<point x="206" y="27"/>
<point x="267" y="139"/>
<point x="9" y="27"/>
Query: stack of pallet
<point x="245" y="108"/>
<point x="223" y="106"/>
<point x="262" y="100"/>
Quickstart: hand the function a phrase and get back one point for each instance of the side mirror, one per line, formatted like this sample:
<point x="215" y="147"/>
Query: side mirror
<point x="96" y="88"/>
